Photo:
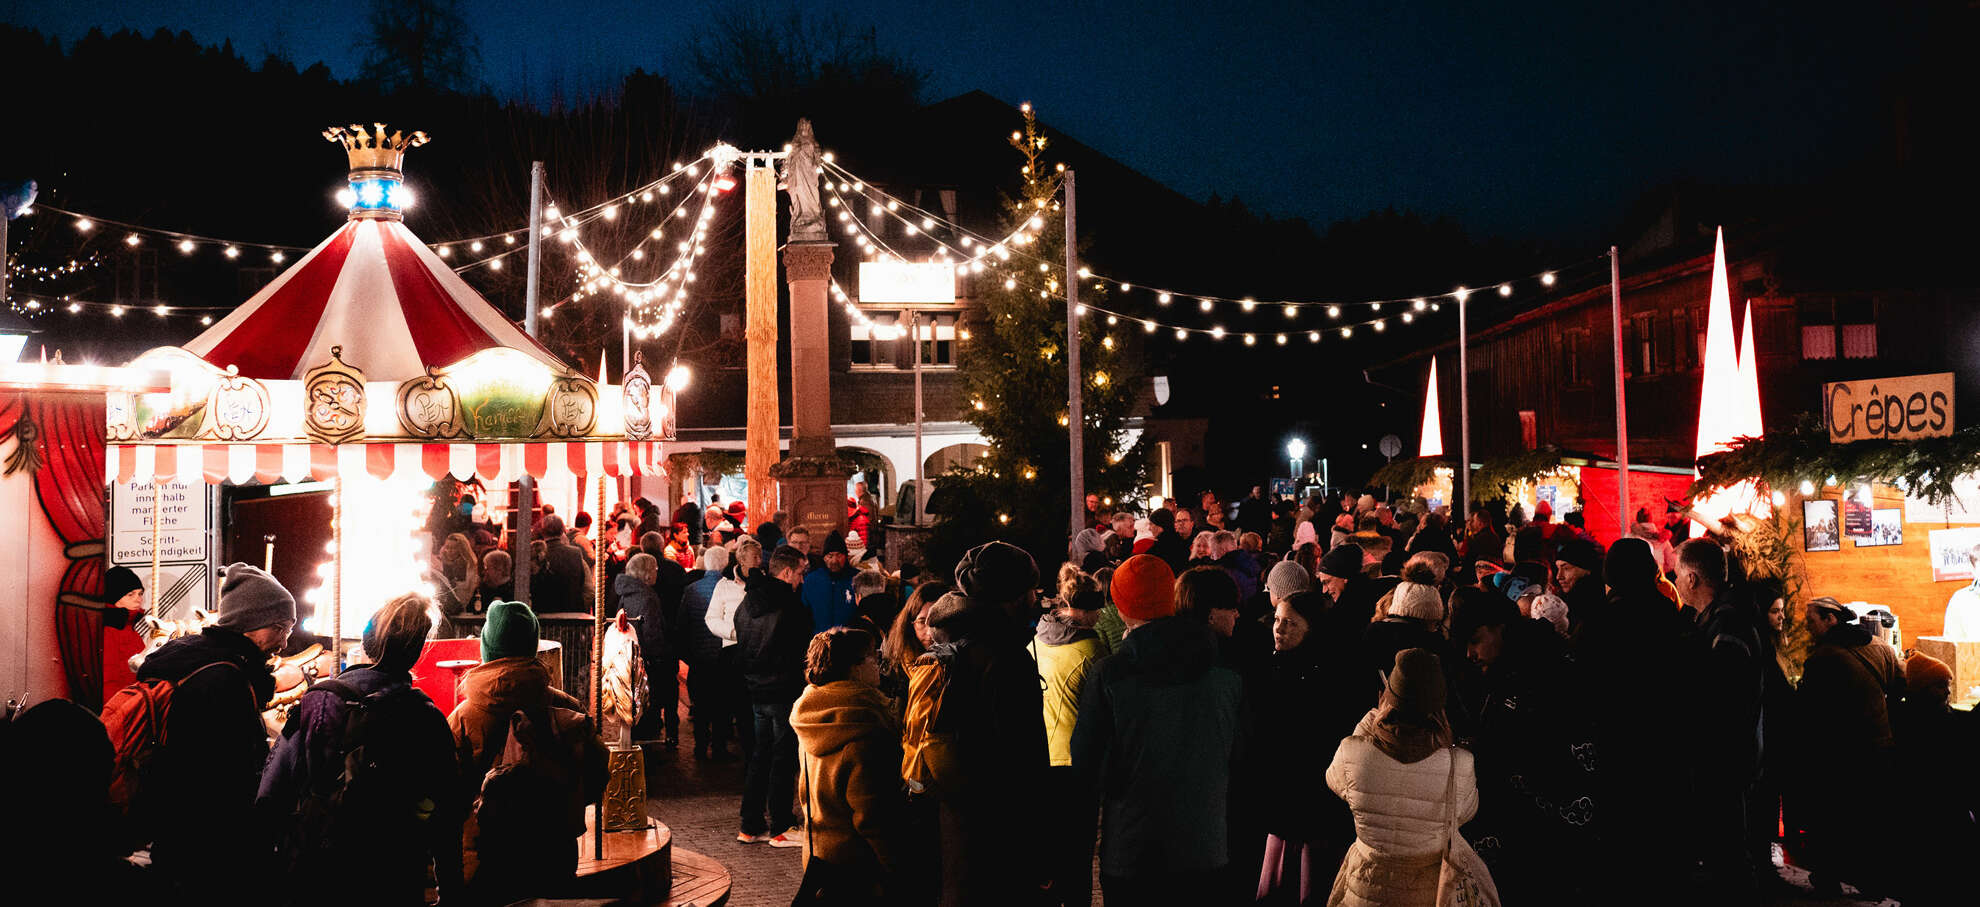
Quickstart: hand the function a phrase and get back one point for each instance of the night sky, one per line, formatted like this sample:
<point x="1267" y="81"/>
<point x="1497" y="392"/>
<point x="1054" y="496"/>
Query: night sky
<point x="1533" y="120"/>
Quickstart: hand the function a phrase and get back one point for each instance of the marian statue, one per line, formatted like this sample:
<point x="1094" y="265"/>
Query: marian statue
<point x="801" y="181"/>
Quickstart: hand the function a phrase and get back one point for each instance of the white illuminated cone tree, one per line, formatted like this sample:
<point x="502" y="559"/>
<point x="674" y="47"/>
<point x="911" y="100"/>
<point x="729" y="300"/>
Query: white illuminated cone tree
<point x="1728" y="397"/>
<point x="1432" y="444"/>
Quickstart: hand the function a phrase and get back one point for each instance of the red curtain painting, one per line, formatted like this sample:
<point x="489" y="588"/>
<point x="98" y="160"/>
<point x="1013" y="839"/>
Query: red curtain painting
<point x="68" y="436"/>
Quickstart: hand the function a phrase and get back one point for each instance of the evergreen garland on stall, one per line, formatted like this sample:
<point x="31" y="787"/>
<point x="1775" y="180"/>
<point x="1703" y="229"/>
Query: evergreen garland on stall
<point x="1926" y="467"/>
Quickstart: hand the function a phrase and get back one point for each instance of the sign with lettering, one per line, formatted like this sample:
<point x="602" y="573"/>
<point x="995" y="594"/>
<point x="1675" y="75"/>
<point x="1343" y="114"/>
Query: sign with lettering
<point x="1914" y="406"/>
<point x="910" y="282"/>
<point x="181" y="515"/>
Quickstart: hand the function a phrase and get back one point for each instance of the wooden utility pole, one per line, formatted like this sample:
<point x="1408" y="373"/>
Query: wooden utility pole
<point x="760" y="336"/>
<point x="1075" y="419"/>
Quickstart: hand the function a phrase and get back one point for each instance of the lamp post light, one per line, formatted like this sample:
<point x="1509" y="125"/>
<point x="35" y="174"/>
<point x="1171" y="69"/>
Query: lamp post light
<point x="1296" y="451"/>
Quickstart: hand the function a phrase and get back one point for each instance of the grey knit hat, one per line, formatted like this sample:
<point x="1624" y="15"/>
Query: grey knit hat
<point x="250" y="599"/>
<point x="1286" y="578"/>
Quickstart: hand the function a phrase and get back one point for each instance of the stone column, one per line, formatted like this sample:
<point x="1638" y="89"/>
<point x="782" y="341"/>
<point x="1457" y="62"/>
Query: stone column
<point x="812" y="480"/>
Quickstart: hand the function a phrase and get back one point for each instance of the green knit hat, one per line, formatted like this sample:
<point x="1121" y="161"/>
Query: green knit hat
<point x="509" y="632"/>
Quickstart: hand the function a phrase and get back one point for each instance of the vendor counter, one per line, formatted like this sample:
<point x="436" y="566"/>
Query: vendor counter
<point x="571" y="630"/>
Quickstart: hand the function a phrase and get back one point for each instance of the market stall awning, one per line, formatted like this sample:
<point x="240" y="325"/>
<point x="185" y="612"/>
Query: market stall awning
<point x="271" y="463"/>
<point x="376" y="290"/>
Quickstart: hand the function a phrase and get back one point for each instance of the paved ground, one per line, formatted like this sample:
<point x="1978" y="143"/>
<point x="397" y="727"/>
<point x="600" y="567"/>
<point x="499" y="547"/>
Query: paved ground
<point x="699" y="801"/>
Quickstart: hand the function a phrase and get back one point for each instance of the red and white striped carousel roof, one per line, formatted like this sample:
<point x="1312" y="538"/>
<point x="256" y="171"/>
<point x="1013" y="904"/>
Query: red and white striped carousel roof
<point x="374" y="289"/>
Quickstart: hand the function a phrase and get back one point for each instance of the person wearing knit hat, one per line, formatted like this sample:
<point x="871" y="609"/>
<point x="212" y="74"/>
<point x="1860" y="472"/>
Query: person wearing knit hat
<point x="251" y="600"/>
<point x="1155" y="738"/>
<point x="511" y="631"/>
<point x="506" y="862"/>
<point x="1144" y="589"/>
<point x="999" y="575"/>
<point x="214" y="738"/>
<point x="1401" y="777"/>
<point x="1418" y="601"/>
<point x="1927" y="679"/>
<point x="1285" y="579"/>
<point x="991" y="830"/>
<point x="122" y="601"/>
<point x="1342" y="562"/>
<point x="1167" y="543"/>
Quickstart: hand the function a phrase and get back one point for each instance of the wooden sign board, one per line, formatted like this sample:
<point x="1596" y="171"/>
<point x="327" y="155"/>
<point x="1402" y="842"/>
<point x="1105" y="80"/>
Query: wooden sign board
<point x="1913" y="406"/>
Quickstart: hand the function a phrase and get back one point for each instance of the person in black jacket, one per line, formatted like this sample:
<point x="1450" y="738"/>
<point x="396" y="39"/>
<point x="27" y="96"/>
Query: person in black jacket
<point x="1729" y="724"/>
<point x="698" y="646"/>
<point x="663" y="662"/>
<point x="1303" y="711"/>
<point x="558" y="585"/>
<point x="995" y="705"/>
<point x="200" y="786"/>
<point x="400" y="809"/>
<point x="1169" y="545"/>
<point x="773" y="630"/>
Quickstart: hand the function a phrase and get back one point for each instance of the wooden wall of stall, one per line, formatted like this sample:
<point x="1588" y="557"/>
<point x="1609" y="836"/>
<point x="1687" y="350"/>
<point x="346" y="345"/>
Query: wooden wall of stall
<point x="1898" y="577"/>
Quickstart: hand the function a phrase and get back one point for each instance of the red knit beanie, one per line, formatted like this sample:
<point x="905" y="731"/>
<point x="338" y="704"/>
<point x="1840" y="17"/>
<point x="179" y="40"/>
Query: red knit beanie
<point x="1921" y="670"/>
<point x="1144" y="588"/>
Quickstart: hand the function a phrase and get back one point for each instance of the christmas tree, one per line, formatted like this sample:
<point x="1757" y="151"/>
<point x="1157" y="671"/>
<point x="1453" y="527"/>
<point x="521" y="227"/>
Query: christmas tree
<point x="1014" y="378"/>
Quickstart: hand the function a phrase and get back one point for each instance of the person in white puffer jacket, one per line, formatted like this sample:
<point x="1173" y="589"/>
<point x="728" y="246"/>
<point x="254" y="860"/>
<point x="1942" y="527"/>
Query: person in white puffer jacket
<point x="1397" y="775"/>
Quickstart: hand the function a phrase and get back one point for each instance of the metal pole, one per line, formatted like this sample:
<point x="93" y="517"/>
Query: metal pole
<point x="598" y="654"/>
<point x="1464" y="410"/>
<point x="525" y="503"/>
<point x="920" y="480"/>
<point x="1075" y="420"/>
<point x="1622" y="407"/>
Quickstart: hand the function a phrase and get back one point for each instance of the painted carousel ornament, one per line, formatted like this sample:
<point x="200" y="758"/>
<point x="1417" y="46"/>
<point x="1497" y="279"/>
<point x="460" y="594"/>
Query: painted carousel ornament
<point x="335" y="399"/>
<point x="638" y="392"/>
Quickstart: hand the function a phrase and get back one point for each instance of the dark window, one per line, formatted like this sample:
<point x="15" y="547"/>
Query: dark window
<point x="1681" y="333"/>
<point x="1572" y="343"/>
<point x="1644" y="348"/>
<point x="873" y="342"/>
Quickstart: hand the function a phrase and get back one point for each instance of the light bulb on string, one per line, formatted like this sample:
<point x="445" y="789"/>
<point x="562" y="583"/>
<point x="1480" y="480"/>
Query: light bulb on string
<point x="1313" y="336"/>
<point x="1162" y="299"/>
<point x="1280" y="340"/>
<point x="1505" y="289"/>
<point x="1547" y="279"/>
<point x="1333" y="311"/>
<point x="1205" y="304"/>
<point x="1292" y="311"/>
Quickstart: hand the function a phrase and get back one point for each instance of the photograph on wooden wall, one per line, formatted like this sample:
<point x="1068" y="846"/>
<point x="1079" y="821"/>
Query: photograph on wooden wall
<point x="1819" y="531"/>
<point x="1856" y="517"/>
<point x="1886" y="528"/>
<point x="1951" y="553"/>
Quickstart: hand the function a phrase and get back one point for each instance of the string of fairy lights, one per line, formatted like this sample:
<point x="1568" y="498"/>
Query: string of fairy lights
<point x="973" y="250"/>
<point x="653" y="305"/>
<point x="487" y="251"/>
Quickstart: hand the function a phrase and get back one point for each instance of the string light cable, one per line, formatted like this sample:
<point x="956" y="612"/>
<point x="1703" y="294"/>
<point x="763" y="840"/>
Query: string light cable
<point x="889" y="205"/>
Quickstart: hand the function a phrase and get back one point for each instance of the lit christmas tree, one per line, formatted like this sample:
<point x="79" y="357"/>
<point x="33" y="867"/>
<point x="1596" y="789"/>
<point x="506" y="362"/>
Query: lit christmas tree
<point x="1014" y="377"/>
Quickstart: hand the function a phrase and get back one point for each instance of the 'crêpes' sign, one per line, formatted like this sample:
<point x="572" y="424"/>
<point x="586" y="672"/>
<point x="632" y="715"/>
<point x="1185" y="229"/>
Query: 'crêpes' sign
<point x="1914" y="406"/>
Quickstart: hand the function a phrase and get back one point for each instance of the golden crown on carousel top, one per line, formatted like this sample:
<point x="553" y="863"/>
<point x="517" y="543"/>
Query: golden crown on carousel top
<point x="374" y="149"/>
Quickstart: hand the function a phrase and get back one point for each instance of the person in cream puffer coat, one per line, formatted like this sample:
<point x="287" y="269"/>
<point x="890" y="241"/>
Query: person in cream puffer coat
<point x="1401" y="813"/>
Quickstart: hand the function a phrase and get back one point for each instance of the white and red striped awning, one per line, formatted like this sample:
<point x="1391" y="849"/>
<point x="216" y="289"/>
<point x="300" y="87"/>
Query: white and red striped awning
<point x="271" y="463"/>
<point x="374" y="289"/>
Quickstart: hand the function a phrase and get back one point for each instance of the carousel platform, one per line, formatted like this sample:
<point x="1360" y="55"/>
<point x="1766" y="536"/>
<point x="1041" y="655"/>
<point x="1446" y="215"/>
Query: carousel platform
<point x="644" y="868"/>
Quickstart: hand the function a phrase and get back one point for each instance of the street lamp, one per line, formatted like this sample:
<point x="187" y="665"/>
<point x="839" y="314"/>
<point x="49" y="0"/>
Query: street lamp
<point x="1296" y="450"/>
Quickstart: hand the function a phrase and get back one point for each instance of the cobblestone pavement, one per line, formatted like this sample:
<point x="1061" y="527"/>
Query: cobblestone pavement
<point x="700" y="802"/>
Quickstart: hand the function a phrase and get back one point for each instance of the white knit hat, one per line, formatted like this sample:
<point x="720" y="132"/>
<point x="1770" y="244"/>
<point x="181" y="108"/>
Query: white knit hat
<point x="1417" y="600"/>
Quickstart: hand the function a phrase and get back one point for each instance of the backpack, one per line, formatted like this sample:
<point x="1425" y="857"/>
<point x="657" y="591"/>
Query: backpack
<point x="136" y="718"/>
<point x="528" y="791"/>
<point x="929" y="761"/>
<point x="337" y="812"/>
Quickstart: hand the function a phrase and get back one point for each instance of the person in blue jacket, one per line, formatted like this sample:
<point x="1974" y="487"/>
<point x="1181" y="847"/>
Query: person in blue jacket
<point x="827" y="590"/>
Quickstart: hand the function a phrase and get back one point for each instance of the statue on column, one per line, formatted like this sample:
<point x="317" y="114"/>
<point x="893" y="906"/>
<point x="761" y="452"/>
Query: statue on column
<point x="801" y="181"/>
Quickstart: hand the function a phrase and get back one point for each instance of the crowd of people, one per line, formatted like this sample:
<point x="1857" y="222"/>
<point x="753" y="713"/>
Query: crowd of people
<point x="1329" y="701"/>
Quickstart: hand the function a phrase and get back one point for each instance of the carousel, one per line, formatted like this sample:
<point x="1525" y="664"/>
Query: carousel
<point x="369" y="371"/>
